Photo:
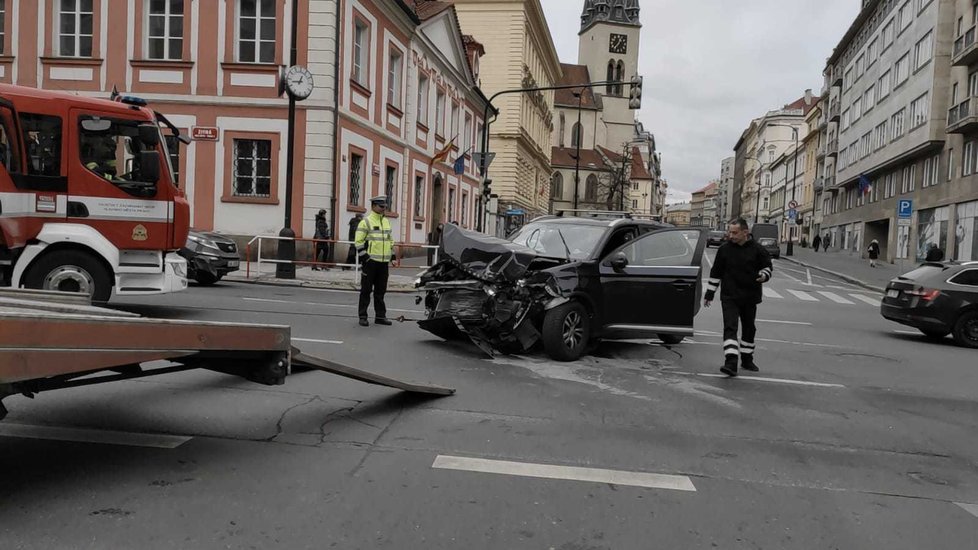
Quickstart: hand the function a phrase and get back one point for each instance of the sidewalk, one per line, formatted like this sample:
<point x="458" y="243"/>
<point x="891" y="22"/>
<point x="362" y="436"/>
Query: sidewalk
<point x="849" y="267"/>
<point x="401" y="279"/>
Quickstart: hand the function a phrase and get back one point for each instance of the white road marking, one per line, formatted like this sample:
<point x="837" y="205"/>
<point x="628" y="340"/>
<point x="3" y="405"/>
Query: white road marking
<point x="347" y="306"/>
<point x="83" y="435"/>
<point x="317" y="341"/>
<point x="784" y="322"/>
<point x="970" y="508"/>
<point x="771" y="293"/>
<point x="785" y="273"/>
<point x="835" y="297"/>
<point x="809" y="273"/>
<point x="763" y="379"/>
<point x="866" y="299"/>
<point x="573" y="473"/>
<point x="804" y="296"/>
<point x="715" y="335"/>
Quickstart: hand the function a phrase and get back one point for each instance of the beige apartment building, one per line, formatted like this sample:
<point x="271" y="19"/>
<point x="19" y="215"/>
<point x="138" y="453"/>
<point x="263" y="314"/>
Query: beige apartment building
<point x="519" y="54"/>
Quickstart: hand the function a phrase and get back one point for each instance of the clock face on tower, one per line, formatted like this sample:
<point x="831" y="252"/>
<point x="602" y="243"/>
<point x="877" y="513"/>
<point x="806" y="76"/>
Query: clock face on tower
<point x="618" y="43"/>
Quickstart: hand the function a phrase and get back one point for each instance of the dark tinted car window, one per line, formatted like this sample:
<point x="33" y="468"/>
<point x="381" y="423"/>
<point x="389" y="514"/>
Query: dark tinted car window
<point x="967" y="277"/>
<point x="671" y="248"/>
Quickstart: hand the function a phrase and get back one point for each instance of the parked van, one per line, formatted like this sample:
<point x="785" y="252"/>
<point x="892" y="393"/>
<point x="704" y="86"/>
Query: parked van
<point x="766" y="235"/>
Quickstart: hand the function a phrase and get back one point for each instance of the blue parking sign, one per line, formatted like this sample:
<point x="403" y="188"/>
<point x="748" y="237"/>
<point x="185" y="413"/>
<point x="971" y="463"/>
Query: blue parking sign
<point x="904" y="208"/>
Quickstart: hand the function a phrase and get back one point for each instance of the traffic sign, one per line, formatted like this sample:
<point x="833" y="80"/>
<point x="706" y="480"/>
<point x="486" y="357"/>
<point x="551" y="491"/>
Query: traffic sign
<point x="793" y="204"/>
<point x="482" y="161"/>
<point x="905" y="208"/>
<point x="792" y="214"/>
<point x="903" y="222"/>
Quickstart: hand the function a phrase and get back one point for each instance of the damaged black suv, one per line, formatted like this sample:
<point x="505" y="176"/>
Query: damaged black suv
<point x="567" y="282"/>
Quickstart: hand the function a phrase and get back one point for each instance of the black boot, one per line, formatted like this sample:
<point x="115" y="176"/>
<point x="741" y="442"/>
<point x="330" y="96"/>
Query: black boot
<point x="364" y="322"/>
<point x="747" y="363"/>
<point x="730" y="366"/>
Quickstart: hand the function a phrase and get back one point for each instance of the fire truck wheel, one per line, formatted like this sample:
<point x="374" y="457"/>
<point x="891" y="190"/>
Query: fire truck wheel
<point x="71" y="271"/>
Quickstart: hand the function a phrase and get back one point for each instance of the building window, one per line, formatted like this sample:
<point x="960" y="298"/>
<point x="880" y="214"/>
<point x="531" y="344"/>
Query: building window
<point x="418" y="196"/>
<point x="451" y="204"/>
<point x="869" y="98"/>
<point x="931" y="167"/>
<point x="440" y="113"/>
<point x="888" y="34"/>
<point x="923" y="51"/>
<point x="919" y="111"/>
<point x="465" y="209"/>
<point x="846" y="120"/>
<point x="619" y="77"/>
<point x="252" y="168"/>
<point x="563" y="130"/>
<point x="905" y="16"/>
<point x="479" y="129"/>
<point x="423" y="99"/>
<point x="361" y="53"/>
<point x="356" y="179"/>
<point x="921" y="4"/>
<point x="909" y="175"/>
<point x="610" y="88"/>
<point x="467" y="136"/>
<point x="591" y="189"/>
<point x="901" y="71"/>
<point x="879" y="136"/>
<point x="557" y="186"/>
<point x="576" y="135"/>
<point x="394" y="71"/>
<point x="634" y="204"/>
<point x="968" y="162"/>
<point x="857" y="108"/>
<point x="3" y="25"/>
<point x="165" y="36"/>
<point x="874" y="50"/>
<point x="390" y="187"/>
<point x="950" y="164"/>
<point x="75" y="28"/>
<point x="883" y="87"/>
<point x="256" y="31"/>
<point x="897" y="122"/>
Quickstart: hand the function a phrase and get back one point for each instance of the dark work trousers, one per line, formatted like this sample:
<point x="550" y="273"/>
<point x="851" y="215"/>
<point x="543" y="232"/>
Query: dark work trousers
<point x="322" y="252"/>
<point x="745" y="314"/>
<point x="374" y="279"/>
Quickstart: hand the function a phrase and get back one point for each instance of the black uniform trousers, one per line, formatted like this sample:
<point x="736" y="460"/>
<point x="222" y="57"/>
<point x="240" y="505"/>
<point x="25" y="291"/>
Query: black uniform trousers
<point x="374" y="280"/>
<point x="745" y="313"/>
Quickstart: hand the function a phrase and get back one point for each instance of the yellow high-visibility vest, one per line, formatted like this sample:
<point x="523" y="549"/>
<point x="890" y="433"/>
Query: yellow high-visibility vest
<point x="375" y="239"/>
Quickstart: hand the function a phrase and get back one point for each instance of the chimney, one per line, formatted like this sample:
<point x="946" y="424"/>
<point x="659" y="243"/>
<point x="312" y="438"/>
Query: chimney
<point x="808" y="96"/>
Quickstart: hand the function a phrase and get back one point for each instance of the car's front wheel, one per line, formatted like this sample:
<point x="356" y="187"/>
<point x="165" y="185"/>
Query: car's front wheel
<point x="205" y="279"/>
<point x="566" y="331"/>
<point x="966" y="330"/>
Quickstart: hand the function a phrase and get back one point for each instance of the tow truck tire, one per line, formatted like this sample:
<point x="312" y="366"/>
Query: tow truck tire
<point x="71" y="271"/>
<point x="671" y="339"/>
<point x="205" y="279"/>
<point x="566" y="331"/>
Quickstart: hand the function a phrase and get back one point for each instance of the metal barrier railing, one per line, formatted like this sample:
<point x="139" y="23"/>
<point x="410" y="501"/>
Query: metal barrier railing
<point x="399" y="249"/>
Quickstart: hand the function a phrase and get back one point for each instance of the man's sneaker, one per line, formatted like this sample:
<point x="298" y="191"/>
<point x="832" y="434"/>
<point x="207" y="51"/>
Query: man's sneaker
<point x="364" y="322"/>
<point x="747" y="363"/>
<point x="730" y="366"/>
<point x="383" y="321"/>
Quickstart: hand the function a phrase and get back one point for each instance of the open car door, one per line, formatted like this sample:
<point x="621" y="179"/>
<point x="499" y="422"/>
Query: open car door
<point x="652" y="285"/>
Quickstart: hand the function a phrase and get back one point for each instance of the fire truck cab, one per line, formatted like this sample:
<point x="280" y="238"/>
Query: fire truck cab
<point x="88" y="200"/>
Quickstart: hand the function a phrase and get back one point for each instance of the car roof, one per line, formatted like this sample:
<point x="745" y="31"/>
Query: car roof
<point x="597" y="221"/>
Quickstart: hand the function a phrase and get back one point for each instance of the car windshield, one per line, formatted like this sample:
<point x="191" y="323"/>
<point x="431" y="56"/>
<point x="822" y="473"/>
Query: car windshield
<point x="545" y="239"/>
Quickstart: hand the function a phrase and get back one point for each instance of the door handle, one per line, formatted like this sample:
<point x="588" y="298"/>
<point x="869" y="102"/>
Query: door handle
<point x="683" y="285"/>
<point x="77" y="210"/>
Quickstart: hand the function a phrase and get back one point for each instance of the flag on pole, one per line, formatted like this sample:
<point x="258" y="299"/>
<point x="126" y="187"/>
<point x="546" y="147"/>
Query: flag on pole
<point x="460" y="165"/>
<point x="442" y="154"/>
<point x="865" y="186"/>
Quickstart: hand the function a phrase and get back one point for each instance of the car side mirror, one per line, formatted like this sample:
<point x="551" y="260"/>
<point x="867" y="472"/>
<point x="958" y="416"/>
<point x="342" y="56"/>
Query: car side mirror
<point x="619" y="262"/>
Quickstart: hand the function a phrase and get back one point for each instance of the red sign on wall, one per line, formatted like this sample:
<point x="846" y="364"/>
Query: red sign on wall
<point x="205" y="133"/>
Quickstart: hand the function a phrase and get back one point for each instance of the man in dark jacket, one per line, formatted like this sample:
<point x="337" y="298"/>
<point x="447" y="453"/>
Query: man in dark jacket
<point x="740" y="268"/>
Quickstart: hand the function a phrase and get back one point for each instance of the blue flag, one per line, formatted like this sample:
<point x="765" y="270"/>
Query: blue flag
<point x="460" y="165"/>
<point x="864" y="184"/>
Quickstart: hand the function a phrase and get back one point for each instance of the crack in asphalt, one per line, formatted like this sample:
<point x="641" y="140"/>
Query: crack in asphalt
<point x="374" y="446"/>
<point x="278" y="424"/>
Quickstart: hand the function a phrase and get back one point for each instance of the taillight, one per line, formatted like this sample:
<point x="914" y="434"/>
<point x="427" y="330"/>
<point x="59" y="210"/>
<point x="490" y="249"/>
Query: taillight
<point x="924" y="294"/>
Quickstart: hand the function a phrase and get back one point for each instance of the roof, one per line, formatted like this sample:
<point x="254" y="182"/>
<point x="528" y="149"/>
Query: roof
<point x="426" y="9"/>
<point x="564" y="157"/>
<point x="802" y="104"/>
<point x="612" y="156"/>
<point x="869" y="6"/>
<point x="618" y="12"/>
<point x="639" y="171"/>
<point x="711" y="188"/>
<point x="574" y="74"/>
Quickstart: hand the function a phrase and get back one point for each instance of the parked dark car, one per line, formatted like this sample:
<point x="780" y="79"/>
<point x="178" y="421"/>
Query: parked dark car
<point x="937" y="298"/>
<point x="210" y="257"/>
<point x="716" y="238"/>
<point x="766" y="235"/>
<point x="567" y="282"/>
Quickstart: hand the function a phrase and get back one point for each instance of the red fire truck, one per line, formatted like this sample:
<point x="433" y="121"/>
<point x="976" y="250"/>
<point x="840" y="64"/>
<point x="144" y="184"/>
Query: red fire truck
<point x="88" y="200"/>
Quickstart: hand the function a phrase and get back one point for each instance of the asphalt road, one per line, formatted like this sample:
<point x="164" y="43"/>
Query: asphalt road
<point x="856" y="434"/>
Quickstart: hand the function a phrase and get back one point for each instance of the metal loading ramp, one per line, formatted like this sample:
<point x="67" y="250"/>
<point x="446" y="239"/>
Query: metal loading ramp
<point x="52" y="340"/>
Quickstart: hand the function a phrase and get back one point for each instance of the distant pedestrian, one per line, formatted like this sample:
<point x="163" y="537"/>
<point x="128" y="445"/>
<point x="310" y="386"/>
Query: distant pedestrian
<point x="351" y="254"/>
<point x="826" y="242"/>
<point x="322" y="234"/>
<point x="740" y="268"/>
<point x="434" y="239"/>
<point x="934" y="254"/>
<point x="817" y="242"/>
<point x="874" y="252"/>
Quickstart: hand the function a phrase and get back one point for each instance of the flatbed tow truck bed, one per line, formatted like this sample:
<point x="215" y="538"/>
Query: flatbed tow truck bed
<point x="52" y="340"/>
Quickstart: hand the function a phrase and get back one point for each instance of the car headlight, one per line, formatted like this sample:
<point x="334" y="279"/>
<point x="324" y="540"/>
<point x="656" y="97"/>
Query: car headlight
<point x="204" y="245"/>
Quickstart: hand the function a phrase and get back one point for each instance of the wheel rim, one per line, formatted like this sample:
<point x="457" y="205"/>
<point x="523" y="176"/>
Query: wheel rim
<point x="573" y="331"/>
<point x="70" y="278"/>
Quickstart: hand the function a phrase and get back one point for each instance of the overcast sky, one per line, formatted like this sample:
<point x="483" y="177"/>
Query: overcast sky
<point x="710" y="66"/>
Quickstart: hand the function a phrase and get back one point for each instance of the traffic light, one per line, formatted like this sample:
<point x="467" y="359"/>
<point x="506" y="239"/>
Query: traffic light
<point x="487" y="187"/>
<point x="635" y="93"/>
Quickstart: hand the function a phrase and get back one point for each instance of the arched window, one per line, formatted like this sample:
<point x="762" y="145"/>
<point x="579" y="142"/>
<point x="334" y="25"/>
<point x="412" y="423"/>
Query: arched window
<point x="619" y="76"/>
<point x="576" y="133"/>
<point x="557" y="186"/>
<point x="610" y="88"/>
<point x="563" y="129"/>
<point x="591" y="189"/>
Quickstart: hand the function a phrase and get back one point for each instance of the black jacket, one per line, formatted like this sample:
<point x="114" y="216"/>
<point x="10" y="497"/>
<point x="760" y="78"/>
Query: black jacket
<point x="736" y="270"/>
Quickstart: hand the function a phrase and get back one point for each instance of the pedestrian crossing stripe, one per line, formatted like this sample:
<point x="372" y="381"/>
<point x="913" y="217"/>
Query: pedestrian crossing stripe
<point x="814" y="297"/>
<point x="867" y="299"/>
<point x="835" y="297"/>
<point x="803" y="296"/>
<point x="771" y="293"/>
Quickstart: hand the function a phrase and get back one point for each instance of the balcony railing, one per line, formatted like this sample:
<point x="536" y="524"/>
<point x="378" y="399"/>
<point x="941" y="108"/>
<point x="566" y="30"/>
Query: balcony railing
<point x="834" y="112"/>
<point x="820" y="152"/>
<point x="829" y="182"/>
<point x="833" y="148"/>
<point x="965" y="48"/>
<point x="963" y="117"/>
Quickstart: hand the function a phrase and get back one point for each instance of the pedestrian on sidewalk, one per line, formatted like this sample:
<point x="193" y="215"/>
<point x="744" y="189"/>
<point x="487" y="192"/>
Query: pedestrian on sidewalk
<point x="322" y="234"/>
<point x="351" y="253"/>
<point x="874" y="252"/>
<point x="434" y="239"/>
<point x="375" y="248"/>
<point x="817" y="242"/>
<point x="826" y="242"/>
<point x="934" y="254"/>
<point x="740" y="268"/>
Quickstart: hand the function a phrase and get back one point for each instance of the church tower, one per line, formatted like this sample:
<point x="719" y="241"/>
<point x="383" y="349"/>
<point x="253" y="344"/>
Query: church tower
<point x="609" y="46"/>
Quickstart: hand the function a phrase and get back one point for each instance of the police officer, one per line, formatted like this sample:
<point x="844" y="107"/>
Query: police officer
<point x="375" y="248"/>
<point x="740" y="268"/>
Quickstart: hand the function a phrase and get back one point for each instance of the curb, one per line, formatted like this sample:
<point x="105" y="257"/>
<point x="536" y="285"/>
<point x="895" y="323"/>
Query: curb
<point x="351" y="287"/>
<point x="843" y="276"/>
